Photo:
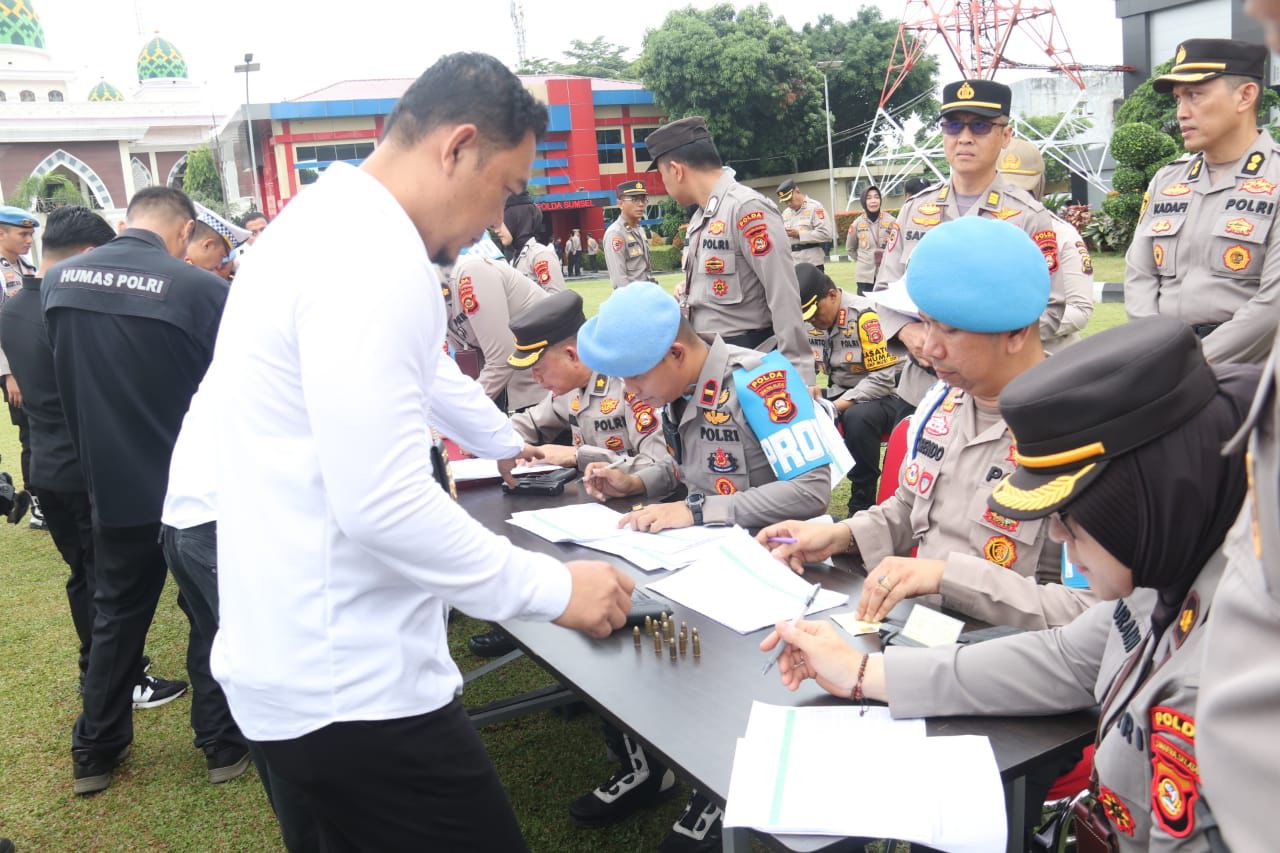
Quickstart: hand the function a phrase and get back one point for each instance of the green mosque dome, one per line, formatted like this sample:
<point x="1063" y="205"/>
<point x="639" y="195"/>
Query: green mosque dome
<point x="20" y="25"/>
<point x="158" y="60"/>
<point x="104" y="91"/>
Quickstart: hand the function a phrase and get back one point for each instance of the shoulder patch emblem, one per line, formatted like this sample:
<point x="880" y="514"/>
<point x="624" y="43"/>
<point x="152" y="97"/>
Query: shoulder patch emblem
<point x="1237" y="258"/>
<point x="1115" y="810"/>
<point x="771" y="386"/>
<point x="758" y="240"/>
<point x="822" y="214"/>
<point x="1173" y="797"/>
<point x="753" y="216"/>
<point x="467" y="294"/>
<point x="1086" y="260"/>
<point x="1047" y="240"/>
<point x="1173" y="721"/>
<point x="617" y="244"/>
<point x="542" y="269"/>
<point x="646" y="418"/>
<point x="1000" y="550"/>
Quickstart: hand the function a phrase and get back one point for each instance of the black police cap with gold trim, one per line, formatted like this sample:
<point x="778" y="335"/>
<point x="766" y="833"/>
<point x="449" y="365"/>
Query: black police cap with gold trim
<point x="785" y="190"/>
<point x="814" y="284"/>
<point x="631" y="189"/>
<point x="673" y="135"/>
<point x="1073" y="413"/>
<point x="1198" y="60"/>
<point x="981" y="97"/>
<point x="552" y="320"/>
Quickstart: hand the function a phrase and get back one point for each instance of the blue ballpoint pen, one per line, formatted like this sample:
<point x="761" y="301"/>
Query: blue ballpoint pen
<point x="782" y="645"/>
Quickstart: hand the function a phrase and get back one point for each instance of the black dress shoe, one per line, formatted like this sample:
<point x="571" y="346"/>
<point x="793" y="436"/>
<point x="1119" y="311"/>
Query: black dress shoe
<point x="92" y="770"/>
<point x="494" y="644"/>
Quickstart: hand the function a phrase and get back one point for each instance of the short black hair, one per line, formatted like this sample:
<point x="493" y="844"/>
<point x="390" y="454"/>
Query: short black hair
<point x="203" y="231"/>
<point x="467" y="88"/>
<point x="167" y="199"/>
<point x="251" y="216"/>
<point x="72" y="229"/>
<point x="699" y="154"/>
<point x="1235" y="81"/>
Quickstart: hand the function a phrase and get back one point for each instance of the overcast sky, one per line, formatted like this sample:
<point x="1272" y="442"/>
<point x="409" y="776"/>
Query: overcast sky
<point x="305" y="46"/>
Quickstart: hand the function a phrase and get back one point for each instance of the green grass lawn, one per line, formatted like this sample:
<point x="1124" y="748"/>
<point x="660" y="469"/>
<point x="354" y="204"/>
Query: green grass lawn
<point x="160" y="799"/>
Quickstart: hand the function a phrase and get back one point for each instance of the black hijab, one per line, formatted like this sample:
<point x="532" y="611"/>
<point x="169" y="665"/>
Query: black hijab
<point x="1164" y="509"/>
<point x="523" y="219"/>
<point x="863" y="198"/>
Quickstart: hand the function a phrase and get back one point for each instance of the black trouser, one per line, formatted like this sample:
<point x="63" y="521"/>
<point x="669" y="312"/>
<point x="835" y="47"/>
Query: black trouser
<point x="865" y="287"/>
<point x="864" y="425"/>
<point x="192" y="555"/>
<point x="575" y="263"/>
<point x="18" y="418"/>
<point x="69" y="519"/>
<point x="417" y="783"/>
<point x="130" y="572"/>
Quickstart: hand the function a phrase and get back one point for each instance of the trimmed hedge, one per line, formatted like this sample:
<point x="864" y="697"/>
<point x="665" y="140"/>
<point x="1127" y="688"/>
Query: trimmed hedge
<point x="661" y="259"/>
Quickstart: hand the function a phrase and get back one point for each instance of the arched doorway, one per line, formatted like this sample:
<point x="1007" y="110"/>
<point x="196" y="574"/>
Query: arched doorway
<point x="80" y="171"/>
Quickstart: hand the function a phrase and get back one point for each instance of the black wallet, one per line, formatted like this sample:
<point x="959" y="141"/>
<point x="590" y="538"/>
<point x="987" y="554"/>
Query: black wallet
<point x="549" y="484"/>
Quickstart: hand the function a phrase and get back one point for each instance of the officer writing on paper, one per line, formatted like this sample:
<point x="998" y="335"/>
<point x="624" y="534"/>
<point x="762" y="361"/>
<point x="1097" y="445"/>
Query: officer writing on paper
<point x="992" y="567"/>
<point x="741" y="424"/>
<point x="604" y="422"/>
<point x="1122" y="446"/>
<point x="1203" y="247"/>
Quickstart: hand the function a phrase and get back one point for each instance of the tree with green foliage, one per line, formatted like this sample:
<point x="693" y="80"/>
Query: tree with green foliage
<point x="45" y="192"/>
<point x="864" y="44"/>
<point x="748" y="73"/>
<point x="201" y="180"/>
<point x="536" y="65"/>
<point x="595" y="58"/>
<point x="1148" y="106"/>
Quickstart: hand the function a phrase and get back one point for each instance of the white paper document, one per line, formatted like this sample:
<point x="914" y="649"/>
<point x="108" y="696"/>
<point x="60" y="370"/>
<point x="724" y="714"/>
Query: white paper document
<point x="736" y="582"/>
<point x="469" y="470"/>
<point x="930" y="628"/>
<point x="830" y="771"/>
<point x="854" y="626"/>
<point x="574" y="523"/>
<point x="841" y="458"/>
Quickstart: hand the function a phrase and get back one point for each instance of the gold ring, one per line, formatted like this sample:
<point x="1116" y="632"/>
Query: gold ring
<point x="884" y="584"/>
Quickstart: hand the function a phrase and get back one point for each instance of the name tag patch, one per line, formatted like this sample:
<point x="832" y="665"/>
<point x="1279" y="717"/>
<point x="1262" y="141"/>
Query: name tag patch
<point x="117" y="281"/>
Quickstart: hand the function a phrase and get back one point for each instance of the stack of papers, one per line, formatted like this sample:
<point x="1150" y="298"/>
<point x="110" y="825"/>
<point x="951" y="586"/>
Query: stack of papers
<point x="595" y="526"/>
<point x="944" y="792"/>
<point x="739" y="584"/>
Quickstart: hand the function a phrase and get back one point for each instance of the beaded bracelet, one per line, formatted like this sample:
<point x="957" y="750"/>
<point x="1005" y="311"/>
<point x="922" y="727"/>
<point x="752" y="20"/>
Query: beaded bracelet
<point x="858" y="695"/>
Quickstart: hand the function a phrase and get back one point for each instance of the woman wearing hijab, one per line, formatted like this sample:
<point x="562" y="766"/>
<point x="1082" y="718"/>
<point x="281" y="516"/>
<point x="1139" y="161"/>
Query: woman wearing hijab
<point x="521" y="221"/>
<point x="869" y="232"/>
<point x="1121" y="448"/>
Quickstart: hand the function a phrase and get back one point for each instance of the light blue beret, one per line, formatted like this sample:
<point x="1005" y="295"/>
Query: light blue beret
<point x="632" y="331"/>
<point x="10" y="215"/>
<point x="980" y="275"/>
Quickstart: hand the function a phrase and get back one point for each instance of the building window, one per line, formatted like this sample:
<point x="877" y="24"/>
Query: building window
<point x="27" y="96"/>
<point x="638" y="136"/>
<point x="609" y="144"/>
<point x="55" y="96"/>
<point x="330" y="153"/>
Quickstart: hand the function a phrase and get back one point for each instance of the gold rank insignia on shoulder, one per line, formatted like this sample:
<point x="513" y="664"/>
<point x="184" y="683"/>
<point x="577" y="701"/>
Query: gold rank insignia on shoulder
<point x="944" y="192"/>
<point x="965" y="92"/>
<point x="993" y="199"/>
<point x="601" y="382"/>
<point x="928" y="208"/>
<point x="1196" y="167"/>
<point x="1254" y="164"/>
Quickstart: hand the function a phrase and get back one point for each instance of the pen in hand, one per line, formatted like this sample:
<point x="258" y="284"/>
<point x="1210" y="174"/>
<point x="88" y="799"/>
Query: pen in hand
<point x="782" y="645"/>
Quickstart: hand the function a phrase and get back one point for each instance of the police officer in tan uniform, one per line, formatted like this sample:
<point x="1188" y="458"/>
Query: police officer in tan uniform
<point x="17" y="228"/>
<point x="862" y="369"/>
<point x="807" y="225"/>
<point x="975" y="130"/>
<point x="606" y="423"/>
<point x="991" y="567"/>
<point x="626" y="246"/>
<point x="868" y="235"/>
<point x="740" y="281"/>
<point x="640" y="335"/>
<point x="1240" y="687"/>
<point x="1203" y="247"/>
<point x="1107" y="430"/>
<point x="1071" y="300"/>
<point x="521" y="221"/>
<point x="481" y="296"/>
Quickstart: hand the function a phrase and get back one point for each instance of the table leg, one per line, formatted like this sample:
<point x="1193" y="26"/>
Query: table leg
<point x="1015" y="804"/>
<point x="735" y="840"/>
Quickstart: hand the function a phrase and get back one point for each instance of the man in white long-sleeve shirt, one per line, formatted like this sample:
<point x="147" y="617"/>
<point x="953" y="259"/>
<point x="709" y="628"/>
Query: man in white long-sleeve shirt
<point x="331" y="646"/>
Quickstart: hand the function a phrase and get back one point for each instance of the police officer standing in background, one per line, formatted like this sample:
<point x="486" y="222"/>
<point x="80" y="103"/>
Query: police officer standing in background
<point x="740" y="281"/>
<point x="807" y="225"/>
<point x="626" y="246"/>
<point x="868" y="236"/>
<point x="1205" y="236"/>
<point x="110" y="313"/>
<point x="17" y="229"/>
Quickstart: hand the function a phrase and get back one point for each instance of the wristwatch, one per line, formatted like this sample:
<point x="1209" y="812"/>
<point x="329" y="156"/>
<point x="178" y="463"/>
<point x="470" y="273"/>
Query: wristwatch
<point x="694" y="502"/>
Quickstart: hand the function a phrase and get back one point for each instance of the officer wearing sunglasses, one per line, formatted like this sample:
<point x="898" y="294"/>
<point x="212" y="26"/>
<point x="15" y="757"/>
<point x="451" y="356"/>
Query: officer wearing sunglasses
<point x="975" y="131"/>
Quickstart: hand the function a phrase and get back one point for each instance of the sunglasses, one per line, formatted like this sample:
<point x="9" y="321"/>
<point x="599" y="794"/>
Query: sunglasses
<point x="978" y="127"/>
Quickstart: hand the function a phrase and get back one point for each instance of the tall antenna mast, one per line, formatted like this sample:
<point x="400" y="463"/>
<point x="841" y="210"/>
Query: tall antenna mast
<point x="517" y="23"/>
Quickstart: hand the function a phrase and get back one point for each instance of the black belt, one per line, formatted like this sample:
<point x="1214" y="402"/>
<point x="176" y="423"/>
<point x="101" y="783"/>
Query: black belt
<point x="749" y="339"/>
<point x="1203" y="330"/>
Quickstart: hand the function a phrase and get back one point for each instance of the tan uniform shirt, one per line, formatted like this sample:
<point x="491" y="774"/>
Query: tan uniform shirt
<point x="1203" y="251"/>
<point x="931" y="207"/>
<point x="1063" y="321"/>
<point x="868" y="240"/>
<point x="813" y="226"/>
<point x="997" y="570"/>
<point x="721" y="458"/>
<point x="739" y="276"/>
<point x="540" y="264"/>
<point x="1146" y="762"/>
<point x="860" y="362"/>
<point x="607" y="424"/>
<point x="482" y="296"/>
<point x="1240" y="701"/>
<point x="626" y="254"/>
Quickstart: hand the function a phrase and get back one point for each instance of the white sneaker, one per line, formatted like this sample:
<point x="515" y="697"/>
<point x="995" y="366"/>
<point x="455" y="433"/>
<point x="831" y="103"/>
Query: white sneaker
<point x="154" y="692"/>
